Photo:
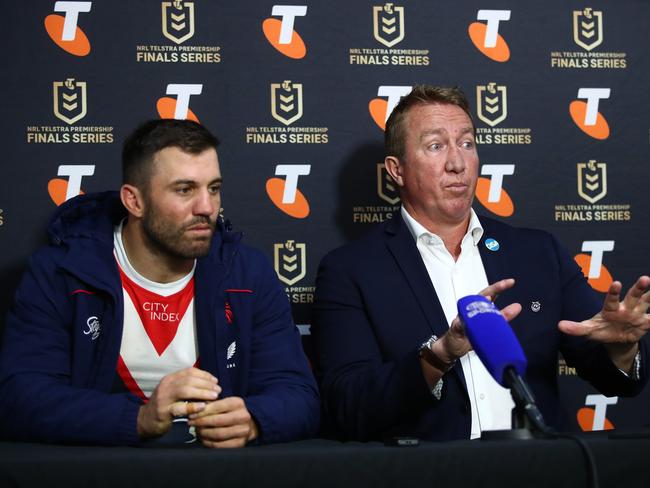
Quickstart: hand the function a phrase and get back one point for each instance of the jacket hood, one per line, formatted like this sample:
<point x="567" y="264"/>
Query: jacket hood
<point x="87" y="216"/>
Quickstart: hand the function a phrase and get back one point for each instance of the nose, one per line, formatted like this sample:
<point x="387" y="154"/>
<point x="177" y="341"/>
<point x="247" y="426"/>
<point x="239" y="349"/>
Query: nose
<point x="455" y="160"/>
<point x="205" y="203"/>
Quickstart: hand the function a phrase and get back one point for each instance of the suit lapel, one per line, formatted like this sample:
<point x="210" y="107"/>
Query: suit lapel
<point x="402" y="246"/>
<point x="495" y="259"/>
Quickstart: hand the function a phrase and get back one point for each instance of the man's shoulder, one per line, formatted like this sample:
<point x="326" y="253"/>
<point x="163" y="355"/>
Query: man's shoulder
<point x="493" y="227"/>
<point x="372" y="243"/>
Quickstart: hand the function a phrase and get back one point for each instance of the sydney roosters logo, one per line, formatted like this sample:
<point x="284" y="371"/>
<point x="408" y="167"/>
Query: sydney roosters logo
<point x="94" y="327"/>
<point x="229" y="314"/>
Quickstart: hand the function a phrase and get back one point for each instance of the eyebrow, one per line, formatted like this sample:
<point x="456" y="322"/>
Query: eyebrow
<point x="463" y="131"/>
<point x="193" y="182"/>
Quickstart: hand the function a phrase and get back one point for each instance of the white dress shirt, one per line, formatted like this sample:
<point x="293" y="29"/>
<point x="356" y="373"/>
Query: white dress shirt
<point x="491" y="404"/>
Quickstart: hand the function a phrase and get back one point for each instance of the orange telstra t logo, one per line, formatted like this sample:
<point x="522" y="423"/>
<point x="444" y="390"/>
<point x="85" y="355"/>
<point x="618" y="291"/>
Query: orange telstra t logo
<point x="592" y="266"/>
<point x="486" y="37"/>
<point x="280" y="33"/>
<point x="490" y="191"/>
<point x="178" y="108"/>
<point x="381" y="109"/>
<point x="586" y="115"/>
<point x="62" y="190"/>
<point x="284" y="193"/>
<point x="63" y="29"/>
<point x="591" y="419"/>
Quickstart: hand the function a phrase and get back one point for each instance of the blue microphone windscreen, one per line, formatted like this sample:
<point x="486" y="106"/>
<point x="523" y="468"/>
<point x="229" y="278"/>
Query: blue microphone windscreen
<point x="491" y="336"/>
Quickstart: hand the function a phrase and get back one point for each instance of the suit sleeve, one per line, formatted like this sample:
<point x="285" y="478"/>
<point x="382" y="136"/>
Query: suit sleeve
<point x="590" y="359"/>
<point x="39" y="401"/>
<point x="282" y="395"/>
<point x="364" y="395"/>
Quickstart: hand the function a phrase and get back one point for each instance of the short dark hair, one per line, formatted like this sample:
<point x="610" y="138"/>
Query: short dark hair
<point x="395" y="134"/>
<point x="155" y="135"/>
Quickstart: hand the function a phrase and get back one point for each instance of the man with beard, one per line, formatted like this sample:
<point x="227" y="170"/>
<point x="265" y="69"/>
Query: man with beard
<point x="393" y="357"/>
<point x="147" y="321"/>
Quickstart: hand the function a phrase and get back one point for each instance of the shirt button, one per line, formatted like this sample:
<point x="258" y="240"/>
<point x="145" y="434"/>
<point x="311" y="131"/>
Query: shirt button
<point x="482" y="396"/>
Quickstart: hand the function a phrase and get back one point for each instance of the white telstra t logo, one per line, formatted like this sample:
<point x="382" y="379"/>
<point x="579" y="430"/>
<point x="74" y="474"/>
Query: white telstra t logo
<point x="496" y="173"/>
<point x="288" y="14"/>
<point x="292" y="172"/>
<point x="593" y="97"/>
<point x="183" y="93"/>
<point x="394" y="94"/>
<point x="75" y="173"/>
<point x="597" y="248"/>
<point x="600" y="402"/>
<point x="71" y="10"/>
<point x="493" y="17"/>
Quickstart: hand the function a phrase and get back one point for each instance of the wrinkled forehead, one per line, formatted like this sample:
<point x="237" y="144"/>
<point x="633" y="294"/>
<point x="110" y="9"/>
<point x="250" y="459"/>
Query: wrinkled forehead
<point x="438" y="118"/>
<point x="173" y="162"/>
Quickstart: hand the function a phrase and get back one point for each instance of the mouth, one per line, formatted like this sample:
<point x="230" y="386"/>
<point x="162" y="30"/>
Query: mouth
<point x="200" y="229"/>
<point x="457" y="187"/>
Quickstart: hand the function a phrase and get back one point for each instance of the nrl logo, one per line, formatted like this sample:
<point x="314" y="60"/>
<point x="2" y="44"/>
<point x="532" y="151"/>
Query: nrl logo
<point x="286" y="101"/>
<point x="290" y="261"/>
<point x="69" y="100"/>
<point x="491" y="103"/>
<point x="592" y="181"/>
<point x="388" y="24"/>
<point x="386" y="187"/>
<point x="178" y="20"/>
<point x="587" y="28"/>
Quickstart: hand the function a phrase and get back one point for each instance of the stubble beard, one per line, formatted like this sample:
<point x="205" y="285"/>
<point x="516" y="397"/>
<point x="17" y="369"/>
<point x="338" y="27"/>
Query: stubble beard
<point x="174" y="242"/>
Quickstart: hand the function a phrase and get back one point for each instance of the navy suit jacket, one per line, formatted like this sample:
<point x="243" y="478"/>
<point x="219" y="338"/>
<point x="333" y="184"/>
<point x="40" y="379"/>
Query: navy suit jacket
<point x="375" y="305"/>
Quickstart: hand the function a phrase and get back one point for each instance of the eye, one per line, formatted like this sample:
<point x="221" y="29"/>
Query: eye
<point x="468" y="144"/>
<point x="183" y="190"/>
<point x="436" y="146"/>
<point x="214" y="189"/>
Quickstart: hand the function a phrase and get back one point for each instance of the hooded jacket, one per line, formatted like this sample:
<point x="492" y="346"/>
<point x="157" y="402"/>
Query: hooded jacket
<point x="63" y="334"/>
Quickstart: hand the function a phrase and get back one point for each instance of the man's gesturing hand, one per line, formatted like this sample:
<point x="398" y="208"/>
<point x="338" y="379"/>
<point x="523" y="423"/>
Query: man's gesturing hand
<point x="454" y="344"/>
<point x="225" y="423"/>
<point x="178" y="394"/>
<point x="620" y="324"/>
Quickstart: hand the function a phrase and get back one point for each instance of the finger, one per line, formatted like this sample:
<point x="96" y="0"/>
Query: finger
<point x="636" y="292"/>
<point x="229" y="444"/>
<point x="573" y="328"/>
<point x="223" y="406"/>
<point x="511" y="311"/>
<point x="196" y="373"/>
<point x="220" y="434"/>
<point x="190" y="392"/>
<point x="227" y="419"/>
<point x="644" y="302"/>
<point x="183" y="409"/>
<point x="493" y="291"/>
<point x="612" y="299"/>
<point x="188" y="388"/>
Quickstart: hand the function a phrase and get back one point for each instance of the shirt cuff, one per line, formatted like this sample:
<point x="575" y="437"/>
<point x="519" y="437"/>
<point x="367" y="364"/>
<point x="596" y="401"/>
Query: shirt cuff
<point x="636" y="368"/>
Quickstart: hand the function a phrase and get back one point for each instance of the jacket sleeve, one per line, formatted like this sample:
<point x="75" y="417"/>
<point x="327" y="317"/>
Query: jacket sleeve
<point x="364" y="394"/>
<point x="282" y="393"/>
<point x="592" y="363"/>
<point x="39" y="399"/>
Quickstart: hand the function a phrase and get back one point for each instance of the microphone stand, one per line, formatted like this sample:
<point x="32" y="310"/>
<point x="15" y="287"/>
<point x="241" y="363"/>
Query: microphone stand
<point x="527" y="420"/>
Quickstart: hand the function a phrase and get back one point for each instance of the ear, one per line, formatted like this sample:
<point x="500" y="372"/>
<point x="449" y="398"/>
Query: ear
<point x="395" y="169"/>
<point x="132" y="200"/>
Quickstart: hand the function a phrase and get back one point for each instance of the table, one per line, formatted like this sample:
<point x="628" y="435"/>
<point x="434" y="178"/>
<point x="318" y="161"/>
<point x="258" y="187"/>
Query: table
<point x="621" y="461"/>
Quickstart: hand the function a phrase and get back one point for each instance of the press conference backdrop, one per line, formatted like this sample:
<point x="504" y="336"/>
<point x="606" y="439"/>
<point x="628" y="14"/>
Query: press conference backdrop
<point x="299" y="94"/>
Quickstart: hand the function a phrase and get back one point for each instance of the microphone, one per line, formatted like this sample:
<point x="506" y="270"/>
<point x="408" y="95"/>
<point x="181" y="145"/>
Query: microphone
<point x="499" y="350"/>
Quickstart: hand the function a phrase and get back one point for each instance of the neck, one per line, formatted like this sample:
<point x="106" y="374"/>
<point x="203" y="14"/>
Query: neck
<point x="451" y="232"/>
<point x="148" y="259"/>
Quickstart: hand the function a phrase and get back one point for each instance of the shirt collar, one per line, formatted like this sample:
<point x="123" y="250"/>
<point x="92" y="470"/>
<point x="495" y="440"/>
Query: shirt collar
<point x="475" y="229"/>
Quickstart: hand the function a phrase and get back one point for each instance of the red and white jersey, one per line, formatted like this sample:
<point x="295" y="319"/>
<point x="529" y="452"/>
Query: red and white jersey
<point x="159" y="332"/>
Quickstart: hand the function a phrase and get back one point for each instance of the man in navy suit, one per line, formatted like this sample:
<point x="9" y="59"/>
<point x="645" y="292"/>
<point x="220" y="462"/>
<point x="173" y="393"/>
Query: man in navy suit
<point x="393" y="358"/>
